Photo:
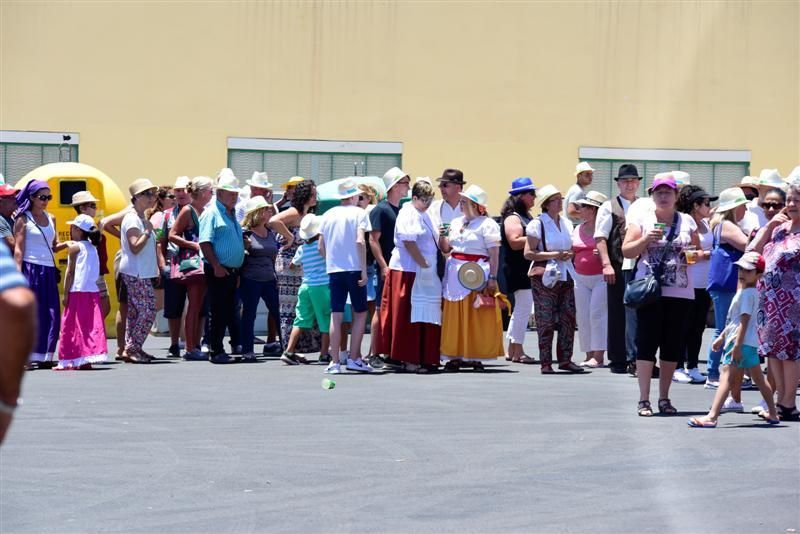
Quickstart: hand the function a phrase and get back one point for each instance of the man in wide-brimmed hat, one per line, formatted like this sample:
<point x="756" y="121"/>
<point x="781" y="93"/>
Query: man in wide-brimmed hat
<point x="609" y="234"/>
<point x="443" y="211"/>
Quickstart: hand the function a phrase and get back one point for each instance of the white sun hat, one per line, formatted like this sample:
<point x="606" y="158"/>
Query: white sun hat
<point x="794" y="176"/>
<point x="392" y="176"/>
<point x="309" y="226"/>
<point x="544" y="194"/>
<point x="259" y="179"/>
<point x="256" y="203"/>
<point x="583" y="166"/>
<point x="181" y="182"/>
<point x="347" y="188"/>
<point x="771" y="178"/>
<point x="227" y="181"/>
<point x="476" y="194"/>
<point x="731" y="198"/>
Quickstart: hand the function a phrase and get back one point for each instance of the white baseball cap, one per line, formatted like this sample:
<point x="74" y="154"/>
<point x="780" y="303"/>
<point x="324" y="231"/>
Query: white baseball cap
<point x="84" y="222"/>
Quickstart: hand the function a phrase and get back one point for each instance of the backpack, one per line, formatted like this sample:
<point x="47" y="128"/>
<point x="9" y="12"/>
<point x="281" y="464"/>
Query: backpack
<point x="617" y="234"/>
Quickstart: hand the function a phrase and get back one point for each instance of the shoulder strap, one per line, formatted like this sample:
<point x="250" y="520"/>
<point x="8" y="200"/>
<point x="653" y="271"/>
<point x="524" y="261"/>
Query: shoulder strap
<point x="544" y="238"/>
<point x="670" y="238"/>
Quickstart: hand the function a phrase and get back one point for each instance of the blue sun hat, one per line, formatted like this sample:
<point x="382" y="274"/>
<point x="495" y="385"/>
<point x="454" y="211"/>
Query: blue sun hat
<point x="521" y="185"/>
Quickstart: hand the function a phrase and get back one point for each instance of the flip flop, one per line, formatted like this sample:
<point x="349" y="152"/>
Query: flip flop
<point x="694" y="422"/>
<point x="528" y="360"/>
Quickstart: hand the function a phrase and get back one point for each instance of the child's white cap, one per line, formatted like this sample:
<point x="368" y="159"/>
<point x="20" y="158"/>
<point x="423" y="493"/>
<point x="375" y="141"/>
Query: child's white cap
<point x="84" y="222"/>
<point x="751" y="261"/>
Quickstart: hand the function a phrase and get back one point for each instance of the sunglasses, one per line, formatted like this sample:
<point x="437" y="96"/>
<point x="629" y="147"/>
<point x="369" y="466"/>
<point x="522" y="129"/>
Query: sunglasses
<point x="44" y="198"/>
<point x="164" y="195"/>
<point x="91" y="205"/>
<point x="772" y="205"/>
<point x="148" y="193"/>
<point x="404" y="182"/>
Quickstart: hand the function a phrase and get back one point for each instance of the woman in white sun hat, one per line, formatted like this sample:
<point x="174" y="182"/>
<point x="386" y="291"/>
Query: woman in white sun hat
<point x="471" y="335"/>
<point x="728" y="244"/>
<point x="550" y="247"/>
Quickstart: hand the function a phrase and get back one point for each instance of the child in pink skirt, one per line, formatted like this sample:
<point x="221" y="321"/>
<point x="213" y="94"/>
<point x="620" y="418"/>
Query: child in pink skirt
<point x="83" y="334"/>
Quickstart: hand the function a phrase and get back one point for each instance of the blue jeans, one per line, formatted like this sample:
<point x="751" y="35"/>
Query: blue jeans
<point x="722" y="302"/>
<point x="251" y="293"/>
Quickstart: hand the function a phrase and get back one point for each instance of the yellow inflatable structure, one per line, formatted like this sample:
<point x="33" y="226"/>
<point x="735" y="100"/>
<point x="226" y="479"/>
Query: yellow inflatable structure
<point x="66" y="179"/>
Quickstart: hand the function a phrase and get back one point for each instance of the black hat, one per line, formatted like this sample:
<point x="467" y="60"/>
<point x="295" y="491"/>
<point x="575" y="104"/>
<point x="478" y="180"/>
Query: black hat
<point x="628" y="170"/>
<point x="454" y="176"/>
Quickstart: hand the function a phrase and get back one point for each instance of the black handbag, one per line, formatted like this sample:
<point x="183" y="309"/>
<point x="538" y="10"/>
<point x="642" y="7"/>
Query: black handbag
<point x="647" y="290"/>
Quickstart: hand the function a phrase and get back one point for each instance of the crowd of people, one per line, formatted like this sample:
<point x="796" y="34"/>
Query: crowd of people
<point x="635" y="277"/>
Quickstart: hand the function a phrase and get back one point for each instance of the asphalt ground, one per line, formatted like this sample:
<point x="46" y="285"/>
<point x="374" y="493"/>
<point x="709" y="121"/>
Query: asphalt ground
<point x="193" y="447"/>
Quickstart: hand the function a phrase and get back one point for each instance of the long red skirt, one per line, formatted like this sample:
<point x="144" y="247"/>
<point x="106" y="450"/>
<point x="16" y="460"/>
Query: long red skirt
<point x="415" y="343"/>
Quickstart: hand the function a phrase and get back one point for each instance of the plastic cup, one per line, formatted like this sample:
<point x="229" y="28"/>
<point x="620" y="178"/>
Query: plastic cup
<point x="159" y="234"/>
<point x="327" y="383"/>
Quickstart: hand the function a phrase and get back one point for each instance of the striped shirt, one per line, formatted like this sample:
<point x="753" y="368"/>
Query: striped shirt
<point x="10" y="277"/>
<point x="314" y="272"/>
<point x="222" y="230"/>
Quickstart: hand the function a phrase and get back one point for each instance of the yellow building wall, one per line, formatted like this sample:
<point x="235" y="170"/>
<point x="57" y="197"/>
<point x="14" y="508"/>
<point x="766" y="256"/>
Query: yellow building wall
<point x="497" y="89"/>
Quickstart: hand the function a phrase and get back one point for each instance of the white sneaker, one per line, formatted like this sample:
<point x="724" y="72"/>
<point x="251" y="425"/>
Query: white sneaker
<point x="761" y="406"/>
<point x="711" y="384"/>
<point x="731" y="405"/>
<point x="681" y="376"/>
<point x="333" y="369"/>
<point x="359" y="365"/>
<point x="696" y="376"/>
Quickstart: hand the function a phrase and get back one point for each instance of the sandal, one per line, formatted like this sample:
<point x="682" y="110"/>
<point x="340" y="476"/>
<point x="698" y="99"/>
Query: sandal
<point x="528" y="360"/>
<point x="696" y="422"/>
<point x="571" y="367"/>
<point x="788" y="414"/>
<point x="665" y="407"/>
<point x="452" y="366"/>
<point x="547" y="369"/>
<point x="645" y="410"/>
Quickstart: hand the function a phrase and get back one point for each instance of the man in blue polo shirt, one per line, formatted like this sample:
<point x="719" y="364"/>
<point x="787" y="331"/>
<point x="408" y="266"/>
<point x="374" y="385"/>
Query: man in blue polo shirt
<point x="222" y="248"/>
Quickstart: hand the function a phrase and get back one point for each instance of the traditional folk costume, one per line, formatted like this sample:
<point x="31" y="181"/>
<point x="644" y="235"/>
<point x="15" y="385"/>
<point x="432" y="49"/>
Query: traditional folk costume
<point x="411" y="313"/>
<point x="470" y="333"/>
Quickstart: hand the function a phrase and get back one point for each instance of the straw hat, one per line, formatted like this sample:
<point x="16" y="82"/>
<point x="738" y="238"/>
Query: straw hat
<point x="309" y="226"/>
<point x="82" y="197"/>
<point x="392" y="176"/>
<point x="227" y="181"/>
<point x="472" y="276"/>
<point x="583" y="166"/>
<point x="255" y="203"/>
<point x="140" y="186"/>
<point x="476" y="194"/>
<point x="593" y="198"/>
<point x="347" y="188"/>
<point x="84" y="222"/>
<point x="201" y="182"/>
<point x="749" y="181"/>
<point x="293" y="181"/>
<point x="731" y="198"/>
<point x="260" y="180"/>
<point x="544" y="194"/>
<point x="181" y="182"/>
<point x="794" y="176"/>
<point x="771" y="178"/>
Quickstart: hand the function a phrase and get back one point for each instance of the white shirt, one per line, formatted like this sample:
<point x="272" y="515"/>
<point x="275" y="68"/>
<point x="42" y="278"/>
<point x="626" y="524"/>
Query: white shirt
<point x="754" y="218"/>
<point x="474" y="237"/>
<point x="38" y="241"/>
<point x="574" y="194"/>
<point x="555" y="238"/>
<point x="340" y="228"/>
<point x="698" y="271"/>
<point x="143" y="264"/>
<point x="604" y="221"/>
<point x="441" y="212"/>
<point x="412" y="225"/>
<point x="744" y="302"/>
<point x="87" y="269"/>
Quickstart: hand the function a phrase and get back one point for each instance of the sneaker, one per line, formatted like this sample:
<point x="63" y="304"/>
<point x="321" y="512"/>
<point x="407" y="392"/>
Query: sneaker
<point x="236" y="349"/>
<point x="711" y="383"/>
<point x="696" y="376"/>
<point x="249" y="357"/>
<point x="273" y="347"/>
<point x="681" y="376"/>
<point x="204" y="348"/>
<point x="195" y="356"/>
<point x="358" y="365"/>
<point x="762" y="406"/>
<point x="174" y="351"/>
<point x="731" y="405"/>
<point x="333" y="368"/>
<point x="289" y="359"/>
<point x="324" y="358"/>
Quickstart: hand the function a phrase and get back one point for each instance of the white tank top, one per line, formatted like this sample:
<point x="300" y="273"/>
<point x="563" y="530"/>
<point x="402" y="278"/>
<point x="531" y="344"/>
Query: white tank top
<point x="87" y="269"/>
<point x="37" y="248"/>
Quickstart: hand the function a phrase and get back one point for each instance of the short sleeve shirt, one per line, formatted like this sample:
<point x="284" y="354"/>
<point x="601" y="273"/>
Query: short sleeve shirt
<point x="340" y="228"/>
<point x="412" y="225"/>
<point x="474" y="237"/>
<point x="745" y="302"/>
<point x="574" y="194"/>
<point x="383" y="219"/>
<point x="10" y="277"/>
<point x="308" y="257"/>
<point x="675" y="275"/>
<point x="142" y="264"/>
<point x="5" y="228"/>
<point x="222" y="230"/>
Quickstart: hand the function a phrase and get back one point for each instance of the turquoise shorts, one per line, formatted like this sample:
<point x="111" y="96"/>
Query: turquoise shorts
<point x="313" y="303"/>
<point x="749" y="357"/>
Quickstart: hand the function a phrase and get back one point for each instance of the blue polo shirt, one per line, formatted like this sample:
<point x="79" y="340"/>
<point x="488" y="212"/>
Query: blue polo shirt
<point x="221" y="229"/>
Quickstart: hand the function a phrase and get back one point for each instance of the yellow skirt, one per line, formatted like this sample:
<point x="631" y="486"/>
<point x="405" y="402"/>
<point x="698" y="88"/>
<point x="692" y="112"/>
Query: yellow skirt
<point x="471" y="333"/>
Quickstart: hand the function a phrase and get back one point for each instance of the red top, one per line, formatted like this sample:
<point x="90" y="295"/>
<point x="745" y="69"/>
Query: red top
<point x="586" y="261"/>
